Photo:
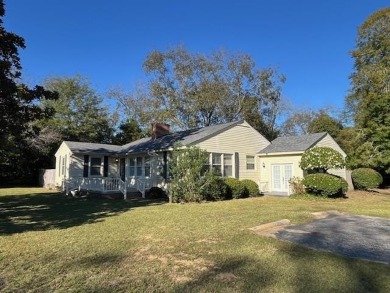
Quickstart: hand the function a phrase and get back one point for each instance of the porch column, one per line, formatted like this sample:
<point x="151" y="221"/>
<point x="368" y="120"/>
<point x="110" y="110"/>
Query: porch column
<point x="126" y="168"/>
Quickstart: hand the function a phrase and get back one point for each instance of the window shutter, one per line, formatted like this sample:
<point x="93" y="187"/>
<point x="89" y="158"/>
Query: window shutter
<point x="105" y="167"/>
<point x="236" y="166"/>
<point x="86" y="163"/>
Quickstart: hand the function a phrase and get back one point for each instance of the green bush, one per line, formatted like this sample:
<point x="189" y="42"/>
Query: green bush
<point x="321" y="158"/>
<point x="235" y="188"/>
<point x="364" y="178"/>
<point x="325" y="185"/>
<point x="251" y="186"/>
<point x="215" y="187"/>
<point x="155" y="192"/>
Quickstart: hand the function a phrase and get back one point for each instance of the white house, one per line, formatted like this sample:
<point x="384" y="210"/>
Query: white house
<point x="236" y="149"/>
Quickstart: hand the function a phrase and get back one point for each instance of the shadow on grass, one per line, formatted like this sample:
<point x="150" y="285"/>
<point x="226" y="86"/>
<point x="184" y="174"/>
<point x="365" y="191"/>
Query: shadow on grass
<point x="226" y="276"/>
<point x="44" y="211"/>
<point x="356" y="276"/>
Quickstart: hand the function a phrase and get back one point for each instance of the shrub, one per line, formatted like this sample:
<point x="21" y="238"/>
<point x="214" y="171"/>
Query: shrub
<point x="215" y="187"/>
<point x="364" y="178"/>
<point x="235" y="188"/>
<point x="325" y="185"/>
<point x="251" y="186"/>
<point x="297" y="185"/>
<point x="321" y="158"/>
<point x="155" y="192"/>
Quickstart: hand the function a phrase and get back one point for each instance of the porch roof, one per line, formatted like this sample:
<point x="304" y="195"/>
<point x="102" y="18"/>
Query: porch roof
<point x="289" y="144"/>
<point x="96" y="148"/>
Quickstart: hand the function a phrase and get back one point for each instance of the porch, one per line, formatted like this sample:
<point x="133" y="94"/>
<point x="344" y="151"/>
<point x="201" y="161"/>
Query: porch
<point x="108" y="185"/>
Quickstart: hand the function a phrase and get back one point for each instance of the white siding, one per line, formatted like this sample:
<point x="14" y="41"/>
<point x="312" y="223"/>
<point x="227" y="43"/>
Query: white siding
<point x="62" y="152"/>
<point x="270" y="160"/>
<point x="241" y="139"/>
<point x="329" y="142"/>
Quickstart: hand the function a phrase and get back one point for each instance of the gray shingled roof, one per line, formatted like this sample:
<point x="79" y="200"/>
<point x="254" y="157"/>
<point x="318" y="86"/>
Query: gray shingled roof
<point x="293" y="143"/>
<point x="186" y="137"/>
<point x="144" y="145"/>
<point x="87" y="147"/>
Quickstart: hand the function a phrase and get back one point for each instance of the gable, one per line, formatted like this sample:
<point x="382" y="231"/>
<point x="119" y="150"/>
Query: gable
<point x="328" y="141"/>
<point x="241" y="138"/>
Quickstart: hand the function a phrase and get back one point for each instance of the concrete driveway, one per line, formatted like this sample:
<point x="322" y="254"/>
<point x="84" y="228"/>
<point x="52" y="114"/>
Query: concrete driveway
<point x="353" y="236"/>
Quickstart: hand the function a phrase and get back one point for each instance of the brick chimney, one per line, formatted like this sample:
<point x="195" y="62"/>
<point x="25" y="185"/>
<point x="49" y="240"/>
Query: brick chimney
<point x="159" y="129"/>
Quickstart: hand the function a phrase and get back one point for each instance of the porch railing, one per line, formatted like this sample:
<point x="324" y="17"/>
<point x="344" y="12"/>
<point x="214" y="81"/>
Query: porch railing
<point x="107" y="184"/>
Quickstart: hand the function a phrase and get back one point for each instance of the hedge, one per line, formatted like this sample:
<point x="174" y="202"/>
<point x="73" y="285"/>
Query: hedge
<point x="325" y="185"/>
<point x="364" y="178"/>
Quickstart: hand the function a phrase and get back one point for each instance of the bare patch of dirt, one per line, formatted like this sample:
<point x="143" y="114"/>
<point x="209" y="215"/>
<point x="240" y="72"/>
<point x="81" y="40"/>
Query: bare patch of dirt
<point x="208" y="240"/>
<point x="325" y="214"/>
<point x="270" y="229"/>
<point x="226" y="277"/>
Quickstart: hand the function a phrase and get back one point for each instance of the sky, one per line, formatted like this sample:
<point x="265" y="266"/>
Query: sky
<point x="107" y="41"/>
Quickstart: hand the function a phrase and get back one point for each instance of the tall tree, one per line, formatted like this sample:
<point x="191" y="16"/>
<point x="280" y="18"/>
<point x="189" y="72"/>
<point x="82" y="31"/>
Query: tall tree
<point x="18" y="108"/>
<point x="79" y="113"/>
<point x="297" y="122"/>
<point x="194" y="90"/>
<point x="323" y="122"/>
<point x="128" y="131"/>
<point x="369" y="98"/>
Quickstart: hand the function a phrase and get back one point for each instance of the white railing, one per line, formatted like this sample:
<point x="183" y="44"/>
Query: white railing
<point x="143" y="185"/>
<point x="106" y="184"/>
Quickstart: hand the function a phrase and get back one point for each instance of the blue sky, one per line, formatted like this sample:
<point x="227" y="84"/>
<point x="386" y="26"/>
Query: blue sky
<point x="107" y="41"/>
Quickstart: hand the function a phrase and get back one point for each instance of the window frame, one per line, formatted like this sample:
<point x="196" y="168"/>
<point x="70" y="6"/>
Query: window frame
<point x="91" y="166"/>
<point x="247" y="163"/>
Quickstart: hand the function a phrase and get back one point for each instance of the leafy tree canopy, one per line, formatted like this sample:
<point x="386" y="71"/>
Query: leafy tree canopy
<point x="79" y="113"/>
<point x="189" y="90"/>
<point x="128" y="131"/>
<point x="19" y="108"/>
<point x="369" y="98"/>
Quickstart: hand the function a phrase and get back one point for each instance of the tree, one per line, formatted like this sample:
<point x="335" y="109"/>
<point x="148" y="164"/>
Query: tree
<point x="79" y="113"/>
<point x="323" y="122"/>
<point x="369" y="98"/>
<point x="297" y="123"/>
<point x="319" y="159"/>
<point x="19" y="107"/>
<point x="194" y="90"/>
<point x="189" y="174"/>
<point x="128" y="131"/>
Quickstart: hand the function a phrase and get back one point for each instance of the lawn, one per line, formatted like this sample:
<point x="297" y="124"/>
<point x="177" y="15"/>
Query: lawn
<point x="52" y="243"/>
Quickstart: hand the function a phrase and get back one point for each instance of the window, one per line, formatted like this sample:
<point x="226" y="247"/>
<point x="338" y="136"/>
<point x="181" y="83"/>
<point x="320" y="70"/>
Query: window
<point x="216" y="163"/>
<point x="250" y="162"/>
<point x="139" y="166"/>
<point x="147" y="166"/>
<point x="96" y="167"/>
<point x="132" y="167"/>
<point x="227" y="165"/>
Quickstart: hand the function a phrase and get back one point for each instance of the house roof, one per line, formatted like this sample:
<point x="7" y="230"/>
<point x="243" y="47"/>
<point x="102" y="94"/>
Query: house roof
<point x="148" y="144"/>
<point x="186" y="137"/>
<point x="289" y="144"/>
<point x="87" y="147"/>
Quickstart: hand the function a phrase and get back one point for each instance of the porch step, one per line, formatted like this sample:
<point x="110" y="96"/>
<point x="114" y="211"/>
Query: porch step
<point x="134" y="193"/>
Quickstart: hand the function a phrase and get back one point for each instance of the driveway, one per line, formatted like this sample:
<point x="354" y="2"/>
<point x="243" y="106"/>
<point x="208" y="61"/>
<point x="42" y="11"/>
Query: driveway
<point x="353" y="236"/>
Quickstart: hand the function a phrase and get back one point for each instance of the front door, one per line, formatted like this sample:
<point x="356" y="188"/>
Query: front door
<point x="281" y="174"/>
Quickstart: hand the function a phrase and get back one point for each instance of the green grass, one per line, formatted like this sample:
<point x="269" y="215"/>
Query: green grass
<point x="51" y="243"/>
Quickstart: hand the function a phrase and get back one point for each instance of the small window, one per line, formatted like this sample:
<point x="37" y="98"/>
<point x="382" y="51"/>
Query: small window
<point x="139" y="166"/>
<point x="131" y="166"/>
<point x="96" y="166"/>
<point x="250" y="162"/>
<point x="216" y="161"/>
<point x="147" y="166"/>
<point x="227" y="165"/>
